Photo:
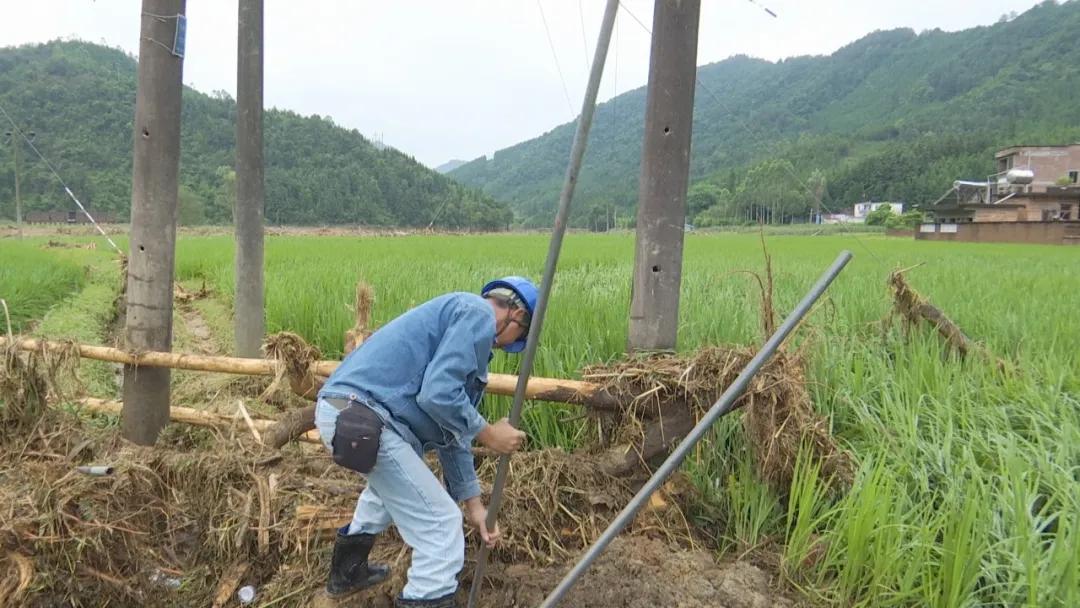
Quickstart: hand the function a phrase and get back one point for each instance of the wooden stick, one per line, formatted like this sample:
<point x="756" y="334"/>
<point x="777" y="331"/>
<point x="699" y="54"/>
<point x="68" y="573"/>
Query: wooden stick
<point x="577" y="392"/>
<point x="249" y="422"/>
<point x="307" y="388"/>
<point x="293" y="424"/>
<point x="230" y="580"/>
<point x="201" y="363"/>
<point x="263" y="535"/>
<point x="108" y="578"/>
<point x="660" y="436"/>
<point x="299" y="424"/>
<point x="540" y="389"/>
<point x="268" y="428"/>
<point x="191" y="416"/>
<point x="320" y="519"/>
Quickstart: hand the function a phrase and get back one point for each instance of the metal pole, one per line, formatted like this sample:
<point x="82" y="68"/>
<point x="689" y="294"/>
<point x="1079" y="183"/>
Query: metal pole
<point x="665" y="172"/>
<point x="154" y="187"/>
<point x="722" y="406"/>
<point x="249" y="320"/>
<point x="577" y="153"/>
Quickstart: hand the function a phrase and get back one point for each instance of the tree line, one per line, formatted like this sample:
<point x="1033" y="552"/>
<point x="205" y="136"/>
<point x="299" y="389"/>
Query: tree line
<point x="894" y="116"/>
<point x="79" y="98"/>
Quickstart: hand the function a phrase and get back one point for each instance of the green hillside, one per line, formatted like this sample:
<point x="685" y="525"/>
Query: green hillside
<point x="893" y="116"/>
<point x="79" y="99"/>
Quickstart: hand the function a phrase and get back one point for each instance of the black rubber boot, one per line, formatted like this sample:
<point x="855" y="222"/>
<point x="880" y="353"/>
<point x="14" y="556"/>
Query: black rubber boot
<point x="446" y="601"/>
<point x="349" y="569"/>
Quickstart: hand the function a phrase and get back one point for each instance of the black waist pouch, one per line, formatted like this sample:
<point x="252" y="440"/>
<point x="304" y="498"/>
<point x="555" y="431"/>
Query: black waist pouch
<point x="356" y="438"/>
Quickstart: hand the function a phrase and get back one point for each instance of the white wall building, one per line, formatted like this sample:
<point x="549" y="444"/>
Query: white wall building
<point x="863" y="209"/>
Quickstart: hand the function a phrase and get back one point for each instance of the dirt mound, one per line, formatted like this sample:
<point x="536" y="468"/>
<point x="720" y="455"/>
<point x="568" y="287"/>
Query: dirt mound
<point x="634" y="572"/>
<point x="637" y="572"/>
<point x="27" y="380"/>
<point x="160" y="529"/>
<point x="558" y="503"/>
<point x="667" y="394"/>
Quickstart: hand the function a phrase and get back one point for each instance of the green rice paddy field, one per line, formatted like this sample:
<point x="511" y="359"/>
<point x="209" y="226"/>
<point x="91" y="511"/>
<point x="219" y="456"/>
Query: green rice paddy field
<point x="968" y="487"/>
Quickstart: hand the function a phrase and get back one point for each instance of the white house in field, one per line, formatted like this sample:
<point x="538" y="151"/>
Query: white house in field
<point x="863" y="209"/>
<point x="859" y="213"/>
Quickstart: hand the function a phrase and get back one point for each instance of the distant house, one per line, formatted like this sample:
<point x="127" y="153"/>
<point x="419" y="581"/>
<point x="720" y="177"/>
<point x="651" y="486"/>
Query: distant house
<point x="1050" y="165"/>
<point x="67" y="217"/>
<point x="863" y="209"/>
<point x="1034" y="197"/>
<point x="840" y="218"/>
<point x="859" y="212"/>
<point x="1032" y="184"/>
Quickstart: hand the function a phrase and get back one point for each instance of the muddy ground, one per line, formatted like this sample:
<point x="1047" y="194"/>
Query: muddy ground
<point x="635" y="572"/>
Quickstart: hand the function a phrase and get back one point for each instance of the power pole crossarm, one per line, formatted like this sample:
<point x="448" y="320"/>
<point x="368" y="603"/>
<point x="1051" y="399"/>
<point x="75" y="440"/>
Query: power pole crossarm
<point x="248" y="312"/>
<point x="154" y="184"/>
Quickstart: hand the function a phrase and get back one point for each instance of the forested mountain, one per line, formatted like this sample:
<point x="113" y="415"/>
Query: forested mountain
<point x="450" y="165"/>
<point x="79" y="99"/>
<point x="893" y="116"/>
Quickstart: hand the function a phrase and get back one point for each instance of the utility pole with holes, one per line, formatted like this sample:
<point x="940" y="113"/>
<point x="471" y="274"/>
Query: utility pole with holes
<point x="153" y="215"/>
<point x="18" y="196"/>
<point x="248" y="314"/>
<point x="16" y="143"/>
<point x="665" y="171"/>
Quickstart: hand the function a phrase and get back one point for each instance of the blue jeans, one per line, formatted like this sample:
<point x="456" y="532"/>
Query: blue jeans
<point x="402" y="490"/>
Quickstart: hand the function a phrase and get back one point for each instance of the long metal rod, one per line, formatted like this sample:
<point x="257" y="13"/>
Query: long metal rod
<point x="722" y="406"/>
<point x="577" y="153"/>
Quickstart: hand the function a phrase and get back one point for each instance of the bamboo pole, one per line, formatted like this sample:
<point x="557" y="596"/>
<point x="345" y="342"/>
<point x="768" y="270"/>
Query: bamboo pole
<point x="199" y="363"/>
<point x="191" y="416"/>
<point x="321" y="519"/>
<point x="541" y="389"/>
<point x="577" y="392"/>
<point x="187" y="415"/>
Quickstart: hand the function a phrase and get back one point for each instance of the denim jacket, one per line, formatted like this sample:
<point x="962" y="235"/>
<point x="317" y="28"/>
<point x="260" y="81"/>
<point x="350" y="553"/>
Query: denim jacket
<point x="427" y="369"/>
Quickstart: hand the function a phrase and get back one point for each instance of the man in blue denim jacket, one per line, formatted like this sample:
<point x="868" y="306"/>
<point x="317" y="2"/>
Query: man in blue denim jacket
<point x="423" y="375"/>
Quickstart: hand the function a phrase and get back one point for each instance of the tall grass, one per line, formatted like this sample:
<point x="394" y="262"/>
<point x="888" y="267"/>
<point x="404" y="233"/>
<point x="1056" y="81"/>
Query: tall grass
<point x="33" y="280"/>
<point x="86" y="317"/>
<point x="968" y="491"/>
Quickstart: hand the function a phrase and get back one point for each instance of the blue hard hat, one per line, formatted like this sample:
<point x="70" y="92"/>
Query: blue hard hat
<point x="526" y="292"/>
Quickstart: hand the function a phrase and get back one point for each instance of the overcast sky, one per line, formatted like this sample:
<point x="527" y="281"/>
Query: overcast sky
<point x="442" y="79"/>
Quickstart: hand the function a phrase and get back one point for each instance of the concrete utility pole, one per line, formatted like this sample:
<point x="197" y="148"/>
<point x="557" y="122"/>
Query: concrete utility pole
<point x="154" y="187"/>
<point x="16" y="142"/>
<point x="18" y="197"/>
<point x="248" y="315"/>
<point x="665" y="170"/>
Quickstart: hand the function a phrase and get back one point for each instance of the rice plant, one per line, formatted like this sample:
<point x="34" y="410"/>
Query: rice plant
<point x="33" y="280"/>
<point x="969" y="482"/>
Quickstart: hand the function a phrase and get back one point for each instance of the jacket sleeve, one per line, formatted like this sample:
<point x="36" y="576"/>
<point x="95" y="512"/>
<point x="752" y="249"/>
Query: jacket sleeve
<point x="463" y="351"/>
<point x="459" y="472"/>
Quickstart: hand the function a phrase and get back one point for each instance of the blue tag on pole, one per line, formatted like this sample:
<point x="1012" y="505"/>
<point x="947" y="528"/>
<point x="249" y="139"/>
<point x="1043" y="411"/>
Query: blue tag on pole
<point x="181" y="36"/>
